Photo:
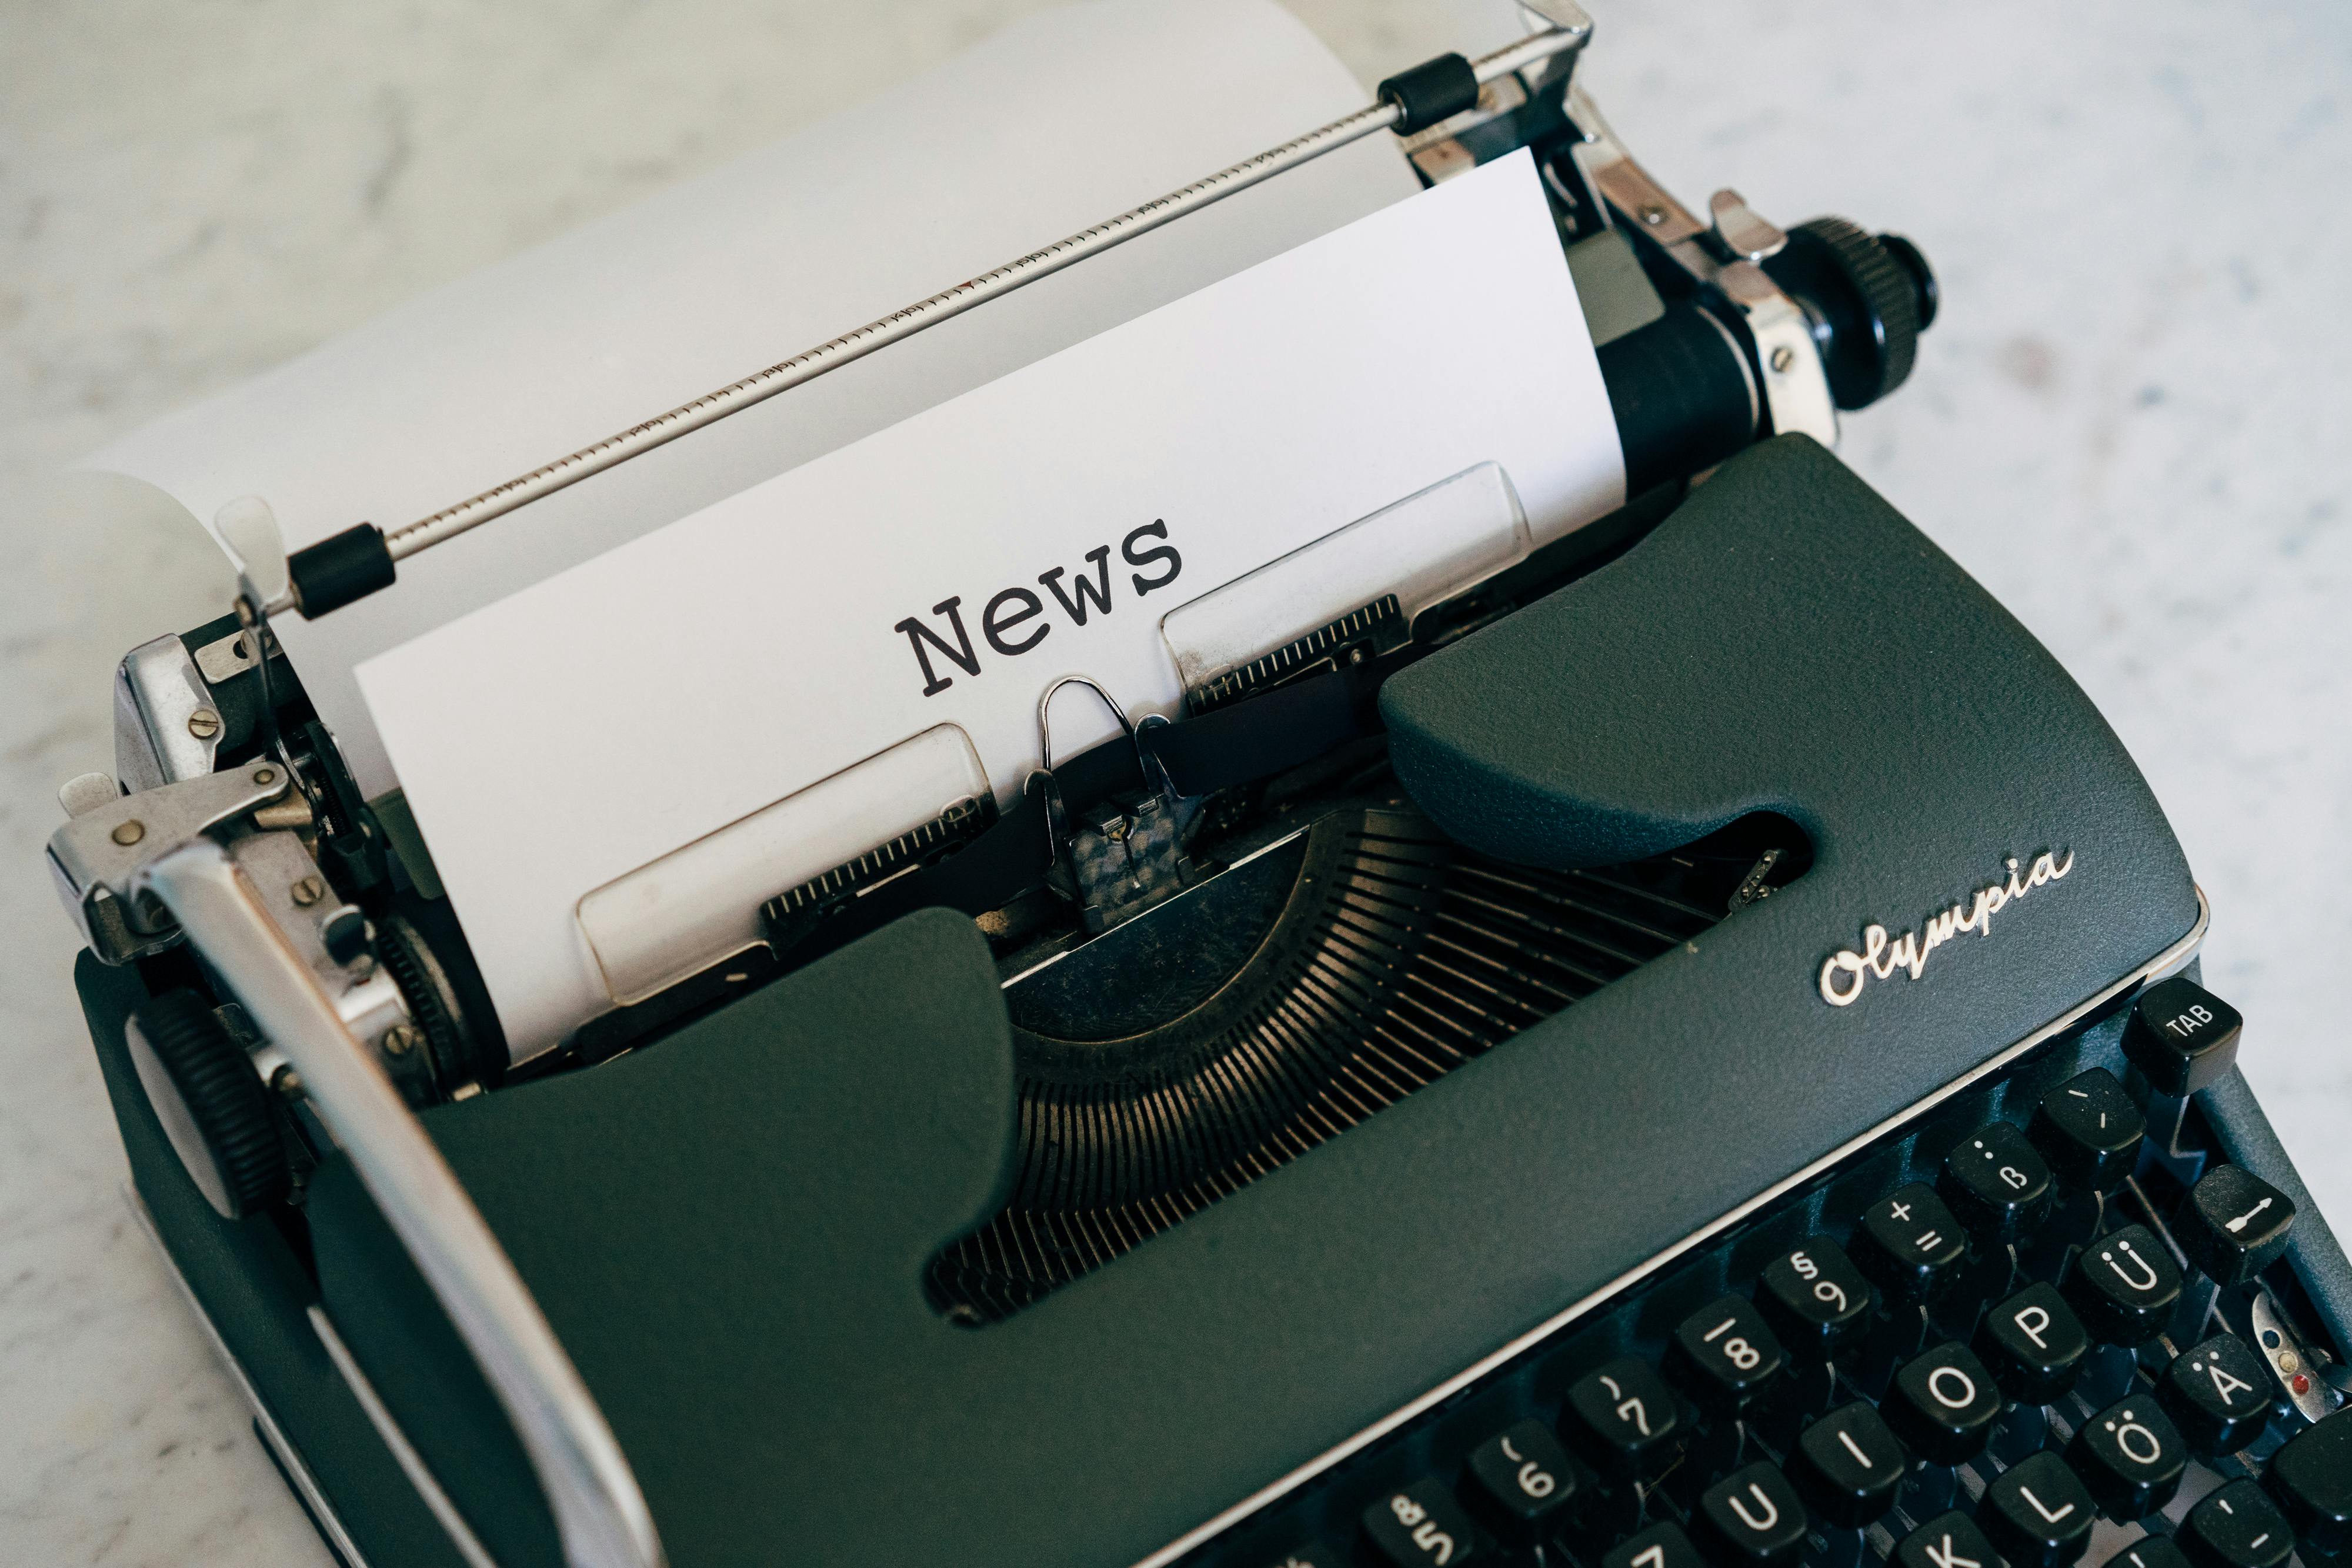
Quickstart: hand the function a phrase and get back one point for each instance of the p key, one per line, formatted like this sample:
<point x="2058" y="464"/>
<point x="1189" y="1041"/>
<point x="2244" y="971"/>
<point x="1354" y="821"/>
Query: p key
<point x="2034" y="1344"/>
<point x="2123" y="1286"/>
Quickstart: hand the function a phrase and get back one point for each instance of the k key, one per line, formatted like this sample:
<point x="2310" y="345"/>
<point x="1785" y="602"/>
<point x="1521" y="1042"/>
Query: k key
<point x="1948" y="1541"/>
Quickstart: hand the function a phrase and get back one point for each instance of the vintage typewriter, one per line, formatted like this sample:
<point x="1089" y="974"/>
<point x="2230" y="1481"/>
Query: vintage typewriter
<point x="1684" y="1051"/>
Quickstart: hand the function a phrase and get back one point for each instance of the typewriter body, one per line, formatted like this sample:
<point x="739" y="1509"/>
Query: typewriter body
<point x="1684" y="1051"/>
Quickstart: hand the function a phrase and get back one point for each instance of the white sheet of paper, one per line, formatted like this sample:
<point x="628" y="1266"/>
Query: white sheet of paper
<point x="589" y="724"/>
<point x="1058" y="122"/>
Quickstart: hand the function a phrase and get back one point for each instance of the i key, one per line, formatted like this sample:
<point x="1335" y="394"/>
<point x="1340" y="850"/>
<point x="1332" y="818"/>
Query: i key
<point x="1724" y="1355"/>
<point x="2123" y="1286"/>
<point x="1622" y="1418"/>
<point x="2233" y="1224"/>
<point x="2216" y="1391"/>
<point x="1522" y="1484"/>
<point x="2034" y="1344"/>
<point x="1948" y="1541"/>
<point x="1943" y="1404"/>
<point x="1419" y="1526"/>
<point x="2089" y="1130"/>
<point x="1813" y="1297"/>
<point x="2130" y="1456"/>
<point x="2037" y="1514"/>
<point x="1754" y="1517"/>
<point x="1997" y="1183"/>
<point x="1910" y="1243"/>
<point x="2237" y="1527"/>
<point x="1849" y="1466"/>
<point x="2182" y="1036"/>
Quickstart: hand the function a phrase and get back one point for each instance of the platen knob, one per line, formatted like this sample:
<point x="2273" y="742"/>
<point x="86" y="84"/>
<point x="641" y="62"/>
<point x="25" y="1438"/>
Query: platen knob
<point x="212" y="1104"/>
<point x="1870" y="296"/>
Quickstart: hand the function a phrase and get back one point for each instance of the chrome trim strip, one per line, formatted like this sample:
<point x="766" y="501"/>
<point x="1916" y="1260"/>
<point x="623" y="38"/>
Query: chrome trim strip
<point x="289" y="1458"/>
<point x="2158" y="967"/>
<point x="412" y="1463"/>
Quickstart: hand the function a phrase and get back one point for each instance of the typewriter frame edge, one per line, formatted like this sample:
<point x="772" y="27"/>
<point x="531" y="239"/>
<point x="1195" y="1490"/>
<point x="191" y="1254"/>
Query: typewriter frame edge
<point x="2161" y="965"/>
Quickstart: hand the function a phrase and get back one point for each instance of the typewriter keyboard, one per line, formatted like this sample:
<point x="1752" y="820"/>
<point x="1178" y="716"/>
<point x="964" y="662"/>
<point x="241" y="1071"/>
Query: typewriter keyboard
<point x="2045" y="1329"/>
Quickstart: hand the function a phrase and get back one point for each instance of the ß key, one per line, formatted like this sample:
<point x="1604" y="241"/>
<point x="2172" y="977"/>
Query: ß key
<point x="2218" y="1393"/>
<point x="1753" y="1516"/>
<point x="1943" y="1404"/>
<point x="2037" y="1514"/>
<point x="1948" y="1541"/>
<point x="1419" y="1526"/>
<point x="1813" y="1297"/>
<point x="2237" y="1527"/>
<point x="1521" y="1484"/>
<point x="2311" y="1479"/>
<point x="2089" y="1130"/>
<point x="1910" y="1243"/>
<point x="2182" y="1036"/>
<point x="1723" y="1355"/>
<point x="1622" y="1418"/>
<point x="1996" y="1182"/>
<point x="2123" y="1286"/>
<point x="2034" y="1344"/>
<point x="1849" y="1466"/>
<point x="2232" y="1224"/>
<point x="2130" y="1457"/>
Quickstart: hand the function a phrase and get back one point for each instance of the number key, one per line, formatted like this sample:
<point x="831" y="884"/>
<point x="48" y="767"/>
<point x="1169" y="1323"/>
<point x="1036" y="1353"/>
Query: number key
<point x="1723" y="1354"/>
<point x="1419" y="1526"/>
<point x="1996" y="1182"/>
<point x="1813" y="1296"/>
<point x="1623" y="1417"/>
<point x="1522" y="1484"/>
<point x="1660" y="1546"/>
<point x="1909" y="1243"/>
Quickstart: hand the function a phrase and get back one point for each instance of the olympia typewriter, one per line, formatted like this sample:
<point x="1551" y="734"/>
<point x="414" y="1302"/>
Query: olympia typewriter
<point x="1683" y="1050"/>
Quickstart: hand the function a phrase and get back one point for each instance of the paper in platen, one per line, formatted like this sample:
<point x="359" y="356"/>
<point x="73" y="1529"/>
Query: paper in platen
<point x="946" y="570"/>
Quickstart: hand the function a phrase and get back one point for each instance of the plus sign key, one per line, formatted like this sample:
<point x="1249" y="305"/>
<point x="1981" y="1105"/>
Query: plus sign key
<point x="1910" y="1243"/>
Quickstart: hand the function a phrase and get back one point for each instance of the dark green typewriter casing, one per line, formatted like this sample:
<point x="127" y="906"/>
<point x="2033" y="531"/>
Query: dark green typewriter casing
<point x="729" y="1232"/>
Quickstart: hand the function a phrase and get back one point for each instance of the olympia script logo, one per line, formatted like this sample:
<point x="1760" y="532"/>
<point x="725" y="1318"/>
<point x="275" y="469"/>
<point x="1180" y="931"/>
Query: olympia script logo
<point x="1847" y="971"/>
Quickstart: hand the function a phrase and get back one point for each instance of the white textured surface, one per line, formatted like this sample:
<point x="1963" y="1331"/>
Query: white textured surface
<point x="2130" y="423"/>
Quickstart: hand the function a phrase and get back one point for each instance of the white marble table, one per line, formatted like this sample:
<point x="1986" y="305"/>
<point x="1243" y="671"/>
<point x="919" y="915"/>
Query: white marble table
<point x="2132" y="423"/>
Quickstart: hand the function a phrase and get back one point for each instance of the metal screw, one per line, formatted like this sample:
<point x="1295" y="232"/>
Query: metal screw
<point x="203" y="724"/>
<point x="400" y="1039"/>
<point x="1654" y="215"/>
<point x="1783" y="357"/>
<point x="131" y="832"/>
<point x="265" y="776"/>
<point x="309" y="892"/>
<point x="287" y="1081"/>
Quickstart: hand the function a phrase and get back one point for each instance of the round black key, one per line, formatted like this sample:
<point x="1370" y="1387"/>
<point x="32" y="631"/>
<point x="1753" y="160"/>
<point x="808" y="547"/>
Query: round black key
<point x="1660" y="1546"/>
<point x="1910" y="1243"/>
<point x="2089" y="1130"/>
<point x="1948" y="1541"/>
<point x="2182" y="1036"/>
<point x="1419" y="1526"/>
<point x="2130" y="1456"/>
<point x="2311" y="1478"/>
<point x="2037" y="1514"/>
<point x="1942" y="1403"/>
<point x="1723" y="1355"/>
<point x="1622" y="1418"/>
<point x="2218" y="1393"/>
<point x="1753" y="1518"/>
<point x="1521" y="1484"/>
<point x="1996" y="1184"/>
<point x="2151" y="1551"/>
<point x="2237" y="1527"/>
<point x="2232" y="1224"/>
<point x="1849" y="1466"/>
<point x="1813" y="1296"/>
<point x="2123" y="1286"/>
<point x="2034" y="1344"/>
